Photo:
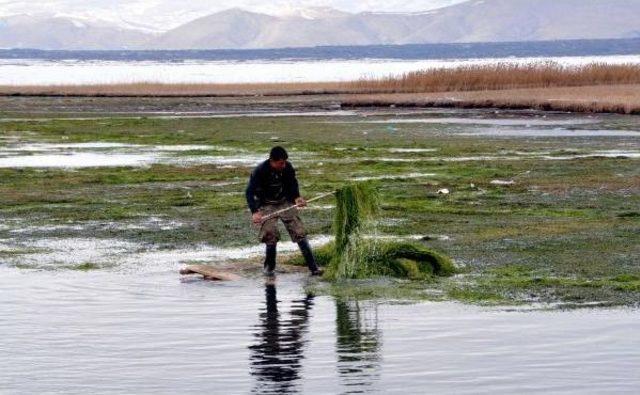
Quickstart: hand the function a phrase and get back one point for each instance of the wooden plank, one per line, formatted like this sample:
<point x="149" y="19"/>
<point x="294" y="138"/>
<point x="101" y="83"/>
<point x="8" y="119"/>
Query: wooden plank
<point x="210" y="273"/>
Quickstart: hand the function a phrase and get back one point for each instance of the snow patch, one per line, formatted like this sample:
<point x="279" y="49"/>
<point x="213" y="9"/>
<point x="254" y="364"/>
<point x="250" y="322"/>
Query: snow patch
<point x="78" y="24"/>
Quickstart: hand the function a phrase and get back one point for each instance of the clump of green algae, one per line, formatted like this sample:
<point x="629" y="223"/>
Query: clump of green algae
<point x="357" y="251"/>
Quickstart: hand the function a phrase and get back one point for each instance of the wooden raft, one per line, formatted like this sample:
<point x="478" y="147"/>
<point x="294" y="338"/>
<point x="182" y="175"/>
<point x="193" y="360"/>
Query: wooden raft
<point x="210" y="273"/>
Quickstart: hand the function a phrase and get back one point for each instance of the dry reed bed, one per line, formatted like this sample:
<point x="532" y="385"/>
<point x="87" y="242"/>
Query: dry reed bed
<point x="459" y="79"/>
<point x="502" y="76"/>
<point x="152" y="89"/>
<point x="622" y="99"/>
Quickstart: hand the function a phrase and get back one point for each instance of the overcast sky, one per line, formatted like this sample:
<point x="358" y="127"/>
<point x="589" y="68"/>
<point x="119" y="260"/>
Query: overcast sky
<point x="165" y="14"/>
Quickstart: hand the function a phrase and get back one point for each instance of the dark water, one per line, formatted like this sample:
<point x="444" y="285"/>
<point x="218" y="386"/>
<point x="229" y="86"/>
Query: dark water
<point x="406" y="52"/>
<point x="148" y="331"/>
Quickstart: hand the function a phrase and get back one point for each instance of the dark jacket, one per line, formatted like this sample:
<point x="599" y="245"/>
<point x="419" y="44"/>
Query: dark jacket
<point x="259" y="190"/>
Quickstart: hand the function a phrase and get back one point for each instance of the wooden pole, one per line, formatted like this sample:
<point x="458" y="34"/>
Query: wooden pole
<point x="276" y="213"/>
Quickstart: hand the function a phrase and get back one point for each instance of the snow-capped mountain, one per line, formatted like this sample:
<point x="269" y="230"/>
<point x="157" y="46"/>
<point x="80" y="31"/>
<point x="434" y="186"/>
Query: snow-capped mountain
<point x="470" y="21"/>
<point x="61" y="32"/>
<point x="311" y="13"/>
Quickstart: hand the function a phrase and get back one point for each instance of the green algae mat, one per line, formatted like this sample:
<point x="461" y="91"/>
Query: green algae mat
<point x="358" y="253"/>
<point x="548" y="218"/>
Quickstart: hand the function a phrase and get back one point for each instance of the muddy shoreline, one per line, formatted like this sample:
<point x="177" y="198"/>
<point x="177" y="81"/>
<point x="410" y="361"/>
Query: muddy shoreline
<point x="614" y="99"/>
<point x="184" y="106"/>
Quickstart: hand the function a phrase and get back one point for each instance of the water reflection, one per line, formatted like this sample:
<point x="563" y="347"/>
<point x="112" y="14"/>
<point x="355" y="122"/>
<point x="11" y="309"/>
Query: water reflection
<point x="277" y="357"/>
<point x="278" y="353"/>
<point x="358" y="345"/>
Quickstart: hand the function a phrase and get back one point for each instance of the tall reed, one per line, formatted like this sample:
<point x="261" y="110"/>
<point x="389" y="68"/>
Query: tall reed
<point x="462" y="78"/>
<point x="500" y="76"/>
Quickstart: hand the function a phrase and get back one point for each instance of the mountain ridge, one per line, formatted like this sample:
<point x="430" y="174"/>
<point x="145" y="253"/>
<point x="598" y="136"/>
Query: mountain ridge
<point x="235" y="28"/>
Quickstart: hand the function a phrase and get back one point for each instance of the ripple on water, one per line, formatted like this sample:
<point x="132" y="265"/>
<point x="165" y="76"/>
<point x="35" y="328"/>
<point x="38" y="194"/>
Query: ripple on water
<point x="71" y="252"/>
<point x="114" y="332"/>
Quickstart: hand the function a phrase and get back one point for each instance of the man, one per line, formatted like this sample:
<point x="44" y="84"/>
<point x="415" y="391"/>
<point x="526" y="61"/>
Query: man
<point x="272" y="187"/>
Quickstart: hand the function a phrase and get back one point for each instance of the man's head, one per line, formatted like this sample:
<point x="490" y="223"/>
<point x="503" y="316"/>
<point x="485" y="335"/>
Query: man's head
<point x="278" y="158"/>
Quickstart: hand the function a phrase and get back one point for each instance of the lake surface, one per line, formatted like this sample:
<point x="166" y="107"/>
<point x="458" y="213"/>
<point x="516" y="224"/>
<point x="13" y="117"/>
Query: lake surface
<point x="82" y="71"/>
<point x="149" y="331"/>
<point x="521" y="49"/>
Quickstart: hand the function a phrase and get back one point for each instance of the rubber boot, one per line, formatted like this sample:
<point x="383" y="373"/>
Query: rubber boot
<point x="305" y="248"/>
<point x="270" y="259"/>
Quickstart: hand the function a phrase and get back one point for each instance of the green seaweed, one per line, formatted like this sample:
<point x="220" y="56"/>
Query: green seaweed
<point x="357" y="253"/>
<point x="356" y="206"/>
<point x="85" y="267"/>
<point x="413" y="260"/>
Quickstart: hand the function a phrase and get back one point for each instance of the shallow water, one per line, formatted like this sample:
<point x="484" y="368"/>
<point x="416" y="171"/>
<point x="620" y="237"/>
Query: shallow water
<point x="75" y="160"/>
<point x="487" y="121"/>
<point x="104" y="154"/>
<point x="190" y="115"/>
<point x="511" y="125"/>
<point x="153" y="332"/>
<point x="53" y="253"/>
<point x="556" y="133"/>
<point x="15" y="153"/>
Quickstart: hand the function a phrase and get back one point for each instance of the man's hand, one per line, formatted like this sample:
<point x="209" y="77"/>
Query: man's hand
<point x="300" y="202"/>
<point x="257" y="217"/>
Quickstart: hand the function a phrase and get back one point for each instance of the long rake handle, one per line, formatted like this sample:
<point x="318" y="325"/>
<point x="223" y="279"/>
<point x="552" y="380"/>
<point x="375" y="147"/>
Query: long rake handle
<point x="276" y="213"/>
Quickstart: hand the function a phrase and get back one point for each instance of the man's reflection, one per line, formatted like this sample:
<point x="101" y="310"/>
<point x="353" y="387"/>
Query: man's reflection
<point x="358" y="344"/>
<point x="277" y="356"/>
